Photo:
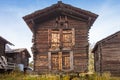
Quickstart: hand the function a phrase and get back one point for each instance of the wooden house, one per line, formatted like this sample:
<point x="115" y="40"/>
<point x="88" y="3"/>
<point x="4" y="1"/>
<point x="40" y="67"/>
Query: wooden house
<point x="3" y="61"/>
<point x="3" y="43"/>
<point x="107" y="55"/>
<point x="19" y="56"/>
<point x="60" y="38"/>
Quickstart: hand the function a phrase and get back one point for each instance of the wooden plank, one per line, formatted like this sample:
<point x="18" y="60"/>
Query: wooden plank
<point x="71" y="60"/>
<point x="60" y="60"/>
<point x="49" y="60"/>
<point x="42" y="42"/>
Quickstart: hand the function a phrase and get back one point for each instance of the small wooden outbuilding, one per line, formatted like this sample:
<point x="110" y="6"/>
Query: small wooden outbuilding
<point x="3" y="60"/>
<point x="60" y="38"/>
<point x="107" y="55"/>
<point x="19" y="56"/>
<point x="3" y="43"/>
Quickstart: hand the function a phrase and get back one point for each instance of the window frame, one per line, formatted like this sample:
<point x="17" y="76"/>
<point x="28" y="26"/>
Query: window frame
<point x="61" y="43"/>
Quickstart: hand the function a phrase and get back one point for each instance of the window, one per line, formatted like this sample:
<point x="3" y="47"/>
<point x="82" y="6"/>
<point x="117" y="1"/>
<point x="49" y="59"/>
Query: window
<point x="54" y="62"/>
<point x="61" y="38"/>
<point x="66" y="60"/>
<point x="67" y="38"/>
<point x="55" y="39"/>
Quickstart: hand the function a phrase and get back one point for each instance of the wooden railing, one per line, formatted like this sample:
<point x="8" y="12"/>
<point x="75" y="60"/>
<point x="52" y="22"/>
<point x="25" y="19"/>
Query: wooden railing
<point x="6" y="65"/>
<point x="11" y="65"/>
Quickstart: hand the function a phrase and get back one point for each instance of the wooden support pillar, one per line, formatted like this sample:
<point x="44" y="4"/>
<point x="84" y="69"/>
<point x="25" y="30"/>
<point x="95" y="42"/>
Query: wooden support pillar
<point x="71" y="60"/>
<point x="73" y="36"/>
<point x="49" y="61"/>
<point x="60" y="60"/>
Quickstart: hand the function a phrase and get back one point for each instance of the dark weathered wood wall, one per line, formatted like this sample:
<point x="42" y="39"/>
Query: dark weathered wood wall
<point x="18" y="58"/>
<point x="107" y="56"/>
<point x="2" y="48"/>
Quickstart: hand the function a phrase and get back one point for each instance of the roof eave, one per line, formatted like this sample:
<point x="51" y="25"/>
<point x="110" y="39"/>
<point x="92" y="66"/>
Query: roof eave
<point x="6" y="41"/>
<point x="29" y="19"/>
<point x="95" y="47"/>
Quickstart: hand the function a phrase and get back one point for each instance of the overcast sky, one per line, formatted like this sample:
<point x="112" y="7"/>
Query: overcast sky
<point x="14" y="29"/>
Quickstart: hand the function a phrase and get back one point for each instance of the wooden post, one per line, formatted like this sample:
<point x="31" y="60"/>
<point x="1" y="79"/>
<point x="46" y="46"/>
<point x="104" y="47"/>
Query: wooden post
<point x="61" y="39"/>
<point x="60" y="60"/>
<point x="100" y="59"/>
<point x="49" y="61"/>
<point x="49" y="38"/>
<point x="73" y="36"/>
<point x="71" y="60"/>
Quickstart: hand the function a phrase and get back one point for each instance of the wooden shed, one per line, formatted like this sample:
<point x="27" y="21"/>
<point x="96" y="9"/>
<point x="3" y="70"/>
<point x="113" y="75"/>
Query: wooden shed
<point x="4" y="65"/>
<point x="3" y="43"/>
<point x="107" y="55"/>
<point x="19" y="57"/>
<point x="60" y="38"/>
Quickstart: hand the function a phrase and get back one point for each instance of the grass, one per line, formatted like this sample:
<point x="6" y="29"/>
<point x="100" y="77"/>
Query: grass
<point x="21" y="76"/>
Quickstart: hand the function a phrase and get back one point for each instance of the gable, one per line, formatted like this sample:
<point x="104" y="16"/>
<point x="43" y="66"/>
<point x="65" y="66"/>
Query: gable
<point x="57" y="10"/>
<point x="114" y="38"/>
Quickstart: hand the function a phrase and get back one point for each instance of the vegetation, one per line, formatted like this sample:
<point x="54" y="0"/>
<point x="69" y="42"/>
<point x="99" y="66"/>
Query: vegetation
<point x="17" y="75"/>
<point x="21" y="76"/>
<point x="31" y="64"/>
<point x="91" y="60"/>
<point x="91" y="63"/>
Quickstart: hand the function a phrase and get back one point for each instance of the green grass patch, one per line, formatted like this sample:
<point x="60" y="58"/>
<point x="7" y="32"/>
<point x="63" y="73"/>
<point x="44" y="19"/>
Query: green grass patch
<point x="21" y="76"/>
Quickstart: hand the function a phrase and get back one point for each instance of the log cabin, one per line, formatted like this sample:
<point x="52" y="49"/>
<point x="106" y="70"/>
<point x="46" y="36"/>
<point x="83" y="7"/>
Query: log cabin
<point x="19" y="56"/>
<point x="3" y="61"/>
<point x="60" y="38"/>
<point x="107" y="55"/>
<point x="3" y="43"/>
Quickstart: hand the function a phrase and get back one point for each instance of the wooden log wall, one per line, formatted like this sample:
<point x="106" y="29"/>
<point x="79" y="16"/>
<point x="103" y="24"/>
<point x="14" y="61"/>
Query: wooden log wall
<point x="109" y="61"/>
<point x="2" y="48"/>
<point x="97" y="59"/>
<point x="80" y="49"/>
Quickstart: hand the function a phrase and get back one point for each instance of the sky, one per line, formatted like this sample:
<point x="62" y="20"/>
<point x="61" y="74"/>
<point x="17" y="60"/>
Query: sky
<point x="14" y="29"/>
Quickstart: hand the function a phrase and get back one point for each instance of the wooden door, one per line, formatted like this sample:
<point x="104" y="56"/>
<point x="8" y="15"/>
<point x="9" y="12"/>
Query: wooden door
<point x="54" y="61"/>
<point x="60" y="61"/>
<point x="66" y="61"/>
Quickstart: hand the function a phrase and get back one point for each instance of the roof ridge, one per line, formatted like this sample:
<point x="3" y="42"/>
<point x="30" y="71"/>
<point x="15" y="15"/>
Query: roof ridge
<point x="102" y="40"/>
<point x="60" y="4"/>
<point x="6" y="40"/>
<point x="59" y="9"/>
<point x="108" y="37"/>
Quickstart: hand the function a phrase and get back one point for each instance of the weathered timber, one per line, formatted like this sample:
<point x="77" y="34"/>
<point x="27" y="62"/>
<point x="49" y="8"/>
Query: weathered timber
<point x="4" y="65"/>
<point x="60" y="41"/>
<point x="107" y="55"/>
<point x="18" y="56"/>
